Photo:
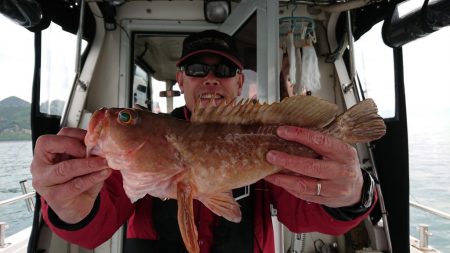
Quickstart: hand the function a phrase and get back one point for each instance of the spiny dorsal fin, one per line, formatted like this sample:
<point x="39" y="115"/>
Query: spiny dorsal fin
<point x="303" y="111"/>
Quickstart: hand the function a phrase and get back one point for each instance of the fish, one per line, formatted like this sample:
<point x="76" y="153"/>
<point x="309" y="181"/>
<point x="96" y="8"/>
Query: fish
<point x="221" y="148"/>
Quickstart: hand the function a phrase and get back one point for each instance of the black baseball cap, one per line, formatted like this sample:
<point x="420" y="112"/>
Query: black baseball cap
<point x="210" y="41"/>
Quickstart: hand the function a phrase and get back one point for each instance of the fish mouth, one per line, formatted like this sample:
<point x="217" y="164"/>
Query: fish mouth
<point x="93" y="151"/>
<point x="95" y="129"/>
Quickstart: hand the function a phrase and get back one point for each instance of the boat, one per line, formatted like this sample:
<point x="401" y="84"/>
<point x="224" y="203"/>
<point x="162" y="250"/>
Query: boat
<point x="125" y="52"/>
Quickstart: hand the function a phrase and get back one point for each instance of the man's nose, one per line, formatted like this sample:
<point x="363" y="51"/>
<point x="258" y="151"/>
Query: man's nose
<point x="211" y="79"/>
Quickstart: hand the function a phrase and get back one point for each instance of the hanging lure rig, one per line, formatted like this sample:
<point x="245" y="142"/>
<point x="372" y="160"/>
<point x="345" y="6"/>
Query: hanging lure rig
<point x="302" y="28"/>
<point x="297" y="57"/>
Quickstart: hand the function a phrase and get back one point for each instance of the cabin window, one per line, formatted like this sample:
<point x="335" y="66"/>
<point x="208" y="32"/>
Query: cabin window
<point x="140" y="85"/>
<point x="57" y="68"/>
<point x="375" y="68"/>
<point x="427" y="89"/>
<point x="160" y="103"/>
<point x="145" y="86"/>
<point x="154" y="84"/>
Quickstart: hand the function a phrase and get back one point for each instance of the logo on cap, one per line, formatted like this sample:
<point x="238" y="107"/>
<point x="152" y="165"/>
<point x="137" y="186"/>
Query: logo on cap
<point x="210" y="41"/>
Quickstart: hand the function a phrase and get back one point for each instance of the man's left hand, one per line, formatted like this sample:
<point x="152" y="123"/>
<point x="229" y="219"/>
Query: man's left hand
<point x="337" y="171"/>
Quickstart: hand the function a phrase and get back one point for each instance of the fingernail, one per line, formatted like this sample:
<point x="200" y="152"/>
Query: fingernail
<point x="283" y="131"/>
<point x="104" y="172"/>
<point x="271" y="179"/>
<point x="271" y="156"/>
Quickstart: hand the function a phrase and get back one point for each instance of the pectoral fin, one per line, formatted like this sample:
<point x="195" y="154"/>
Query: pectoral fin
<point x="224" y="205"/>
<point x="186" y="221"/>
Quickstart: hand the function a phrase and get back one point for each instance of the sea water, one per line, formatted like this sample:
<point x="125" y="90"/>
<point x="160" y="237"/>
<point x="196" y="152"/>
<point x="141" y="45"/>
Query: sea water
<point x="15" y="159"/>
<point x="429" y="163"/>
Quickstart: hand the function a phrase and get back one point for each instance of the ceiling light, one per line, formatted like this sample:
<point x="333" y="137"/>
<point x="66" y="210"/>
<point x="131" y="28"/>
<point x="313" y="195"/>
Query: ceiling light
<point x="217" y="11"/>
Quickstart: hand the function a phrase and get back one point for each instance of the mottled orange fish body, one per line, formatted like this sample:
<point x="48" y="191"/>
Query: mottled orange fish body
<point x="214" y="157"/>
<point x="223" y="148"/>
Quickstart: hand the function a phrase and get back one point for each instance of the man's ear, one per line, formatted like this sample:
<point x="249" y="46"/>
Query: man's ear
<point x="179" y="76"/>
<point x="241" y="79"/>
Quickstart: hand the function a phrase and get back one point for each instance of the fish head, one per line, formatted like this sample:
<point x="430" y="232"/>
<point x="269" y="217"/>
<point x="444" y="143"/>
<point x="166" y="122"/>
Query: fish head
<point x="114" y="132"/>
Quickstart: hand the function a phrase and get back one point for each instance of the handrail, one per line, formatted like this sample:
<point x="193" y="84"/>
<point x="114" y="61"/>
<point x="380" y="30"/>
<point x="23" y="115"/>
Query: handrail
<point x="430" y="210"/>
<point x="18" y="198"/>
<point x="27" y="197"/>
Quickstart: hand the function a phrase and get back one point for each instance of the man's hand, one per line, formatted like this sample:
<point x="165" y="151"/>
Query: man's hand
<point x="337" y="172"/>
<point x="68" y="181"/>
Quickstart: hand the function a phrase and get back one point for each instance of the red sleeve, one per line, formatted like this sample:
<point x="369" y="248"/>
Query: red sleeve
<point x="111" y="212"/>
<point x="300" y="216"/>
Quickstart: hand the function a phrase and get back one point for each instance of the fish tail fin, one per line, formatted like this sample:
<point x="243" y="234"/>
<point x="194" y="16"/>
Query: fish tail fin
<point x="224" y="205"/>
<point x="186" y="221"/>
<point x="361" y="123"/>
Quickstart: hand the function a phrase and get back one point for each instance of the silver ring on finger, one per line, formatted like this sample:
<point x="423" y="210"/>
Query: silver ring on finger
<point x="318" y="188"/>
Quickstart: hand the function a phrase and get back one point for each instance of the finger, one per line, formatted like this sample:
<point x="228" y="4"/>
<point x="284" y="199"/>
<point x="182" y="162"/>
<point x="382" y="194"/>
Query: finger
<point x="324" y="145"/>
<point x="77" y="186"/>
<point x="305" y="189"/>
<point x="296" y="185"/>
<point x="76" y="133"/>
<point x="46" y="145"/>
<point x="323" y="169"/>
<point x="67" y="170"/>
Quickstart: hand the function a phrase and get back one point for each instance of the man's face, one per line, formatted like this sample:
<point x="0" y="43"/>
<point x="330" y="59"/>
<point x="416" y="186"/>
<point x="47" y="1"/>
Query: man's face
<point x="209" y="88"/>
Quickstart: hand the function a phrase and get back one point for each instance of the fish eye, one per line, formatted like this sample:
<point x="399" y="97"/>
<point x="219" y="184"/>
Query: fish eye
<point x="126" y="117"/>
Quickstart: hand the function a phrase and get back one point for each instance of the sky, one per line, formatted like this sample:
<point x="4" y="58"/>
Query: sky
<point x="16" y="60"/>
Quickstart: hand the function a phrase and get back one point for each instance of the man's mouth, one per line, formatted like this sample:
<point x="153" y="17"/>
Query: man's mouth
<point x="211" y="96"/>
<point x="211" y="99"/>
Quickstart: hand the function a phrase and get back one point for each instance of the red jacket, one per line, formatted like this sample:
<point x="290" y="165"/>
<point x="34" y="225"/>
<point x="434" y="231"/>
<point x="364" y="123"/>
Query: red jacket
<point x="115" y="209"/>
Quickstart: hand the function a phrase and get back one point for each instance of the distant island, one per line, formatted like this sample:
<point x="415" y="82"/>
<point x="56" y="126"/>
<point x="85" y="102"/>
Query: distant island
<point x="15" y="117"/>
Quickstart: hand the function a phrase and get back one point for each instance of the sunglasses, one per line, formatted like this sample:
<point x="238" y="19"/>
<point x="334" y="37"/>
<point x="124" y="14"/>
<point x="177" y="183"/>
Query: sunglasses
<point x="220" y="70"/>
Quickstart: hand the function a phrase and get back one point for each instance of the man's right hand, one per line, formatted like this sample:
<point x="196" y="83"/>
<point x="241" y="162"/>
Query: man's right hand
<point x="68" y="181"/>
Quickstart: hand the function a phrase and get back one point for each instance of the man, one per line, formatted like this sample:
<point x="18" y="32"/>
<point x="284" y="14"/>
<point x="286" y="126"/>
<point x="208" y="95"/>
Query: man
<point x="84" y="202"/>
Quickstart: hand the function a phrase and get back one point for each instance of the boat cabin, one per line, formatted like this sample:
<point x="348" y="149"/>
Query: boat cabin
<point x="117" y="53"/>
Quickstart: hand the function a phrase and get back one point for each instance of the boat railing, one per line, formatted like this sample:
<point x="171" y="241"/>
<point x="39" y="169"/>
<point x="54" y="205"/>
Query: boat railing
<point x="29" y="200"/>
<point x="424" y="232"/>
